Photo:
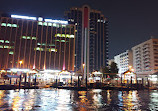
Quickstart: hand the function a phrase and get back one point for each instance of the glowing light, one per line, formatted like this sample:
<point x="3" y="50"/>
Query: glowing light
<point x="9" y="25"/>
<point x="64" y="35"/>
<point x="23" y="17"/>
<point x="2" y="41"/>
<point x="28" y="37"/>
<point x="44" y="67"/>
<point x="83" y="65"/>
<point x="11" y="52"/>
<point x="20" y="63"/>
<point x="56" y="21"/>
<point x="34" y="66"/>
<point x="22" y="70"/>
<point x="63" y="67"/>
<point x="40" y="19"/>
<point x="50" y="71"/>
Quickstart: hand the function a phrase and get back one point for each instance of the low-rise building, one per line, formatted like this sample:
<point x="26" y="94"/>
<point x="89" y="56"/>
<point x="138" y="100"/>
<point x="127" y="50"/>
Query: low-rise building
<point x="123" y="61"/>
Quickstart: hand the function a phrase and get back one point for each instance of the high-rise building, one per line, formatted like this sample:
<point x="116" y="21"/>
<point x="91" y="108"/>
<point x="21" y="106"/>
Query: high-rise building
<point x="91" y="43"/>
<point x="27" y="42"/>
<point x="145" y="57"/>
<point x="124" y="60"/>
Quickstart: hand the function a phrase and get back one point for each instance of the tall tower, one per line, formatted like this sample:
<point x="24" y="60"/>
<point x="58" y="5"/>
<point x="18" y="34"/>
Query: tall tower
<point x="91" y="43"/>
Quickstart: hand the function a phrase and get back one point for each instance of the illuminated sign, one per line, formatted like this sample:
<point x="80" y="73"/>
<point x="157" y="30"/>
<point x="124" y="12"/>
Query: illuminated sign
<point x="23" y="17"/>
<point x="56" y="21"/>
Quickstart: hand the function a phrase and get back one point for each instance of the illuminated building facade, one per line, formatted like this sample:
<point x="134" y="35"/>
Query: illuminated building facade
<point x="91" y="43"/>
<point x="31" y="42"/>
<point x="145" y="57"/>
<point x="124" y="60"/>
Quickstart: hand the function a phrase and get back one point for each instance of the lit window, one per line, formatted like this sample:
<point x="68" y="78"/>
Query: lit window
<point x="49" y="24"/>
<point x="28" y="37"/>
<point x="14" y="25"/>
<point x="54" y="25"/>
<point x="38" y="48"/>
<point x="67" y="35"/>
<point x="6" y="46"/>
<point x="63" y="25"/>
<point x="2" y="41"/>
<point x="24" y="37"/>
<point x="43" y="44"/>
<point x="9" y="25"/>
<point x="62" y="40"/>
<point x="58" y="35"/>
<point x="52" y="49"/>
<point x="38" y="44"/>
<point x="1" y="46"/>
<point x="63" y="35"/>
<point x="11" y="52"/>
<point x="6" y="41"/>
<point x="57" y="40"/>
<point x="3" y="24"/>
<point x="39" y="23"/>
<point x="45" y="24"/>
<point x="33" y="38"/>
<point x="71" y="36"/>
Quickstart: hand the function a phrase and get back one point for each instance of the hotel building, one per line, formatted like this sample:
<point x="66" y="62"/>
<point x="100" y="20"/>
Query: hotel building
<point x="36" y="42"/>
<point x="91" y="43"/>
<point x="145" y="57"/>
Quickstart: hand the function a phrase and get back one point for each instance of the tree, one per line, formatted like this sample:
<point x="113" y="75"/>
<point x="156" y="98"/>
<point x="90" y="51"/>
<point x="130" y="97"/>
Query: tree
<point x="105" y="70"/>
<point x="113" y="68"/>
<point x="110" y="70"/>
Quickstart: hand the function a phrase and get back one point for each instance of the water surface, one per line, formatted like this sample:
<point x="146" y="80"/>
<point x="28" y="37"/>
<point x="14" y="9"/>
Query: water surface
<point x="69" y="100"/>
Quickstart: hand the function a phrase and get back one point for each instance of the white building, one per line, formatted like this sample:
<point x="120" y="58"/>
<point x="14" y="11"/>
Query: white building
<point x="123" y="61"/>
<point x="145" y="58"/>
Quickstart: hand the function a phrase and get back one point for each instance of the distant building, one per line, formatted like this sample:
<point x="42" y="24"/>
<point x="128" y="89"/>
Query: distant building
<point x="123" y="61"/>
<point x="91" y="43"/>
<point x="145" y="58"/>
<point x="35" y="42"/>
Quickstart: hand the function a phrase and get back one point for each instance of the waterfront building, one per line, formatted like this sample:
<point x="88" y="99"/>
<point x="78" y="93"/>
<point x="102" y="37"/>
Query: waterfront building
<point x="124" y="60"/>
<point x="91" y="43"/>
<point x="145" y="57"/>
<point x="36" y="42"/>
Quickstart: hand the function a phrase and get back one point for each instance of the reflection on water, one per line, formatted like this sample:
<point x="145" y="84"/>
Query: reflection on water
<point x="68" y="100"/>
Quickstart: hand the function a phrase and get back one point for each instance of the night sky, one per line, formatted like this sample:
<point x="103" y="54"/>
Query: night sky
<point x="130" y="21"/>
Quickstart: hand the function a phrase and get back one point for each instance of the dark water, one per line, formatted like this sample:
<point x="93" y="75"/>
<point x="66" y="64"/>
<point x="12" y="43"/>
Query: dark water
<point x="67" y="100"/>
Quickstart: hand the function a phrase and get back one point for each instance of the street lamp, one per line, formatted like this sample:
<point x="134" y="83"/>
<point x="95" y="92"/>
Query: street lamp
<point x="20" y="63"/>
<point x="83" y="67"/>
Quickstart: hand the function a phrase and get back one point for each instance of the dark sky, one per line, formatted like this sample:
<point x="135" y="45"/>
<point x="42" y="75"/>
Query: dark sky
<point x="130" y="21"/>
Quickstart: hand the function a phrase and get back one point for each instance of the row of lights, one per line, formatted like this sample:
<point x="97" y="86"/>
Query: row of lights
<point x="39" y="19"/>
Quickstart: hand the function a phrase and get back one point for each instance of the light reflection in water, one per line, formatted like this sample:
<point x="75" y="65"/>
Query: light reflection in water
<point x="153" y="100"/>
<point x="1" y="97"/>
<point x="108" y="97"/>
<point x="97" y="98"/>
<point x="129" y="100"/>
<point x="68" y="100"/>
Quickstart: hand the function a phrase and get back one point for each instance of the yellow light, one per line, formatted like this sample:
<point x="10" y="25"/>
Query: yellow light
<point x="130" y="67"/>
<point x="83" y="65"/>
<point x="20" y="62"/>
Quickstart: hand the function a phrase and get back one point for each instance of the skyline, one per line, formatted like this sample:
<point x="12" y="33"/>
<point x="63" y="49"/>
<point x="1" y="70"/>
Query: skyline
<point x="130" y="22"/>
